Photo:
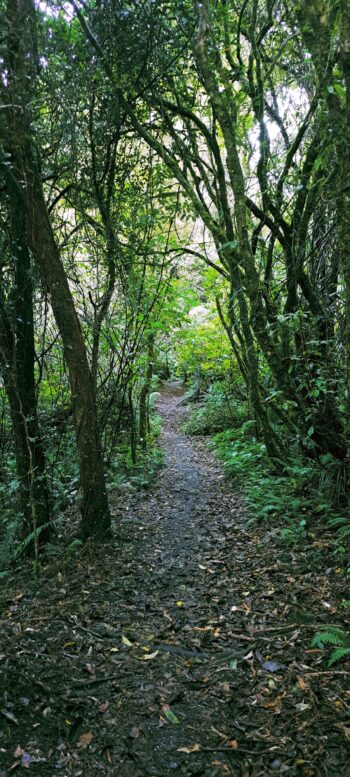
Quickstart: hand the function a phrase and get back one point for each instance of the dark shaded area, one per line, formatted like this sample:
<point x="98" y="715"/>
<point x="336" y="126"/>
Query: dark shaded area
<point x="182" y="648"/>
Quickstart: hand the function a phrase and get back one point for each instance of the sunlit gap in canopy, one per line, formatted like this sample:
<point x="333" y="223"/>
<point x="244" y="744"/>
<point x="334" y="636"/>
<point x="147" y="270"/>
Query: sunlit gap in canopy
<point x="292" y="104"/>
<point x="55" y="9"/>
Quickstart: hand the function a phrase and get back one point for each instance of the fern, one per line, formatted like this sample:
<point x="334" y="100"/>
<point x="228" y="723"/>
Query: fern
<point x="338" y="654"/>
<point x="330" y="635"/>
<point x="32" y="536"/>
<point x="333" y="635"/>
<point x="339" y="520"/>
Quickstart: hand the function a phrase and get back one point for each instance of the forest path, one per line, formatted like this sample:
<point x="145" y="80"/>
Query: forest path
<point x="183" y="648"/>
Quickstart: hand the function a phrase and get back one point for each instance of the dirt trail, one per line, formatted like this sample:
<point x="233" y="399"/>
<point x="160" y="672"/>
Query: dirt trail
<point x="184" y="648"/>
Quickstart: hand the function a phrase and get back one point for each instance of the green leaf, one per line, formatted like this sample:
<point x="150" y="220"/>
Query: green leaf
<point x="339" y="89"/>
<point x="170" y="715"/>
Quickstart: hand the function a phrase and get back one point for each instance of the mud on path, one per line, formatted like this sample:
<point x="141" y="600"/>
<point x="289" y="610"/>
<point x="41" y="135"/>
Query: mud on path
<point x="183" y="648"/>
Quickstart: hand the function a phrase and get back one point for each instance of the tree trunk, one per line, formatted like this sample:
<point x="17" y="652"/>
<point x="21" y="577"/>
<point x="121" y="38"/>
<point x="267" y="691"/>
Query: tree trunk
<point x="133" y="431"/>
<point x="25" y="417"/>
<point x="144" y="396"/>
<point x="27" y="182"/>
<point x="34" y="500"/>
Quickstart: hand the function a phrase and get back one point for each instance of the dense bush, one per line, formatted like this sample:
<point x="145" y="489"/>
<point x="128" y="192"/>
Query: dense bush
<point x="218" y="410"/>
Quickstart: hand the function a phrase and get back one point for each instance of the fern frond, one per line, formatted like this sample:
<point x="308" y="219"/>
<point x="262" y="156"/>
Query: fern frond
<point x="331" y="635"/>
<point x="339" y="520"/>
<point x="28" y="539"/>
<point x="338" y="654"/>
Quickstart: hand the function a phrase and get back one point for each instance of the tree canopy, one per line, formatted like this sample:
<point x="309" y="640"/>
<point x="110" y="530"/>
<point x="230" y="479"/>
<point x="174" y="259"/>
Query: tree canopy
<point x="154" y="158"/>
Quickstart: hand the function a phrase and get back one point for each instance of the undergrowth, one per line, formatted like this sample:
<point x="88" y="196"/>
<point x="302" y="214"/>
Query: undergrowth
<point x="295" y="503"/>
<point x="217" y="411"/>
<point x="63" y="479"/>
<point x="298" y="497"/>
<point x="126" y="474"/>
<point x="140" y="474"/>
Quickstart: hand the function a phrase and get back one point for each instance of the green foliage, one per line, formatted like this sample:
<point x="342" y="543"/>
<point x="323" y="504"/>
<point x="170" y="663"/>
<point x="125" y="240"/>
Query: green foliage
<point x="293" y="498"/>
<point x="218" y="410"/>
<point x="333" y="635"/>
<point x="74" y="547"/>
<point x="202" y="346"/>
<point x="125" y="474"/>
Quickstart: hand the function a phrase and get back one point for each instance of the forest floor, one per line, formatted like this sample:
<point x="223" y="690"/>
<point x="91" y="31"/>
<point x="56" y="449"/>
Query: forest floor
<point x="182" y="648"/>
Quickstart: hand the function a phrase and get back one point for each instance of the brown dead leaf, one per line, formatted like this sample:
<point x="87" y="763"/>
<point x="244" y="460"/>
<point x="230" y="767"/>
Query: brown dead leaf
<point x="191" y="749"/>
<point x="104" y="707"/>
<point x="233" y="743"/>
<point x="345" y="729"/>
<point x="85" y="739"/>
<point x="302" y="684"/>
<point x="222" y="766"/>
<point x="273" y="704"/>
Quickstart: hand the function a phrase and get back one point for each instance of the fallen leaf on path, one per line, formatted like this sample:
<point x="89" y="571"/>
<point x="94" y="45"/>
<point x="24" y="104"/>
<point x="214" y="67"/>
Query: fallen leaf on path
<point x="271" y="666"/>
<point x="10" y="716"/>
<point x="169" y="714"/>
<point x="301" y="707"/>
<point x="302" y="684"/>
<point x="345" y="729"/>
<point x="273" y="704"/>
<point x="149" y="656"/>
<point x="126" y="641"/>
<point x="85" y="739"/>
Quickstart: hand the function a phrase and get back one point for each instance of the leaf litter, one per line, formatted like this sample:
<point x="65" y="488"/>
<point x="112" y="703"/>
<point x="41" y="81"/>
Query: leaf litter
<point x="183" y="648"/>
